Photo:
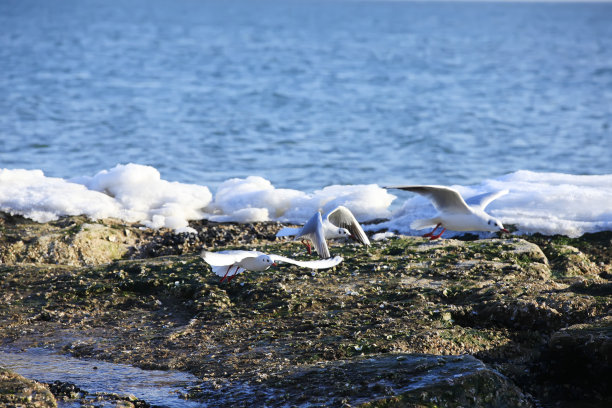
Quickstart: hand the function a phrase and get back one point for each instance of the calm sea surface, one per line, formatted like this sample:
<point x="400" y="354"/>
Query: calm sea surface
<point x="306" y="93"/>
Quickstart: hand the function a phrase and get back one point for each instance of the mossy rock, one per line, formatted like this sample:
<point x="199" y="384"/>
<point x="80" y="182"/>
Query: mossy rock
<point x="76" y="244"/>
<point x="567" y="260"/>
<point x="17" y="391"/>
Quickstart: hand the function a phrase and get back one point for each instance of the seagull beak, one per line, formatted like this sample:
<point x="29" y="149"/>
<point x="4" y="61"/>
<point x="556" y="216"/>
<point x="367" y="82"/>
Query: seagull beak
<point x="505" y="230"/>
<point x="274" y="264"/>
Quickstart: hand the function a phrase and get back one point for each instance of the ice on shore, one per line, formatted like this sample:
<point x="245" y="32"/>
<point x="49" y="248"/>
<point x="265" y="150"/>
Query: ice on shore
<point x="31" y="194"/>
<point x="132" y="193"/>
<point x="550" y="203"/>
<point x="143" y="196"/>
<point x="137" y="193"/>
<point x="256" y="199"/>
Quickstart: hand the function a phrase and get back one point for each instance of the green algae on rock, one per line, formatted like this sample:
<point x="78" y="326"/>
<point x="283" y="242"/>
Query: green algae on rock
<point x="16" y="391"/>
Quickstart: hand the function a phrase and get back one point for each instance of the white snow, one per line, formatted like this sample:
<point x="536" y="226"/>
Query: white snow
<point x="31" y="194"/>
<point x="255" y="199"/>
<point x="143" y="196"/>
<point x="252" y="199"/>
<point x="550" y="203"/>
<point x="133" y="193"/>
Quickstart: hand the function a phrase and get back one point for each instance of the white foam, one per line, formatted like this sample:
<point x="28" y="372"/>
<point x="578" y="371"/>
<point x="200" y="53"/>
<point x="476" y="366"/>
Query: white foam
<point x="145" y="197"/>
<point x="550" y="203"/>
<point x="256" y="199"/>
<point x="133" y="193"/>
<point x="31" y="194"/>
<point x="252" y="199"/>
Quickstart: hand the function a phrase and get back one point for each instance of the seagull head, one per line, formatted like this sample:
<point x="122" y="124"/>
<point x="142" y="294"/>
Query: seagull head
<point x="343" y="233"/>
<point x="495" y="225"/>
<point x="265" y="262"/>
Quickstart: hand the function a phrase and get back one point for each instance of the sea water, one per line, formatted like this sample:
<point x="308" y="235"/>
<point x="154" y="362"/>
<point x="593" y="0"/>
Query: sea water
<point x="305" y="95"/>
<point x="158" y="388"/>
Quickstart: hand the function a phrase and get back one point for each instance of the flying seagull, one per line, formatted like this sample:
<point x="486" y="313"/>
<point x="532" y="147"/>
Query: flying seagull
<point x="338" y="223"/>
<point x="454" y="212"/>
<point x="228" y="264"/>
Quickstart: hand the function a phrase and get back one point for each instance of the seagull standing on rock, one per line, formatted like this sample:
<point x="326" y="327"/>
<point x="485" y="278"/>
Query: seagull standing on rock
<point x="338" y="223"/>
<point x="454" y="213"/>
<point x="223" y="262"/>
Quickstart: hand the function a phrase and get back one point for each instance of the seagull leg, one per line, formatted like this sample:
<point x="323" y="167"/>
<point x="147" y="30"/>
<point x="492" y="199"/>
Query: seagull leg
<point x="226" y="272"/>
<point x="430" y="234"/>
<point x="438" y="235"/>
<point x="308" y="247"/>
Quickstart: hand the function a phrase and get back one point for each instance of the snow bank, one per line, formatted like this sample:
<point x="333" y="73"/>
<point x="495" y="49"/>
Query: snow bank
<point x="31" y="194"/>
<point x="143" y="196"/>
<point x="255" y="199"/>
<point x="550" y="203"/>
<point x="133" y="193"/>
<point x="137" y="193"/>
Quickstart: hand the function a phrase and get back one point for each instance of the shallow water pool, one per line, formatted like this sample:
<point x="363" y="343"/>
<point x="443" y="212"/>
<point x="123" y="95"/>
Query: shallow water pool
<point x="158" y="388"/>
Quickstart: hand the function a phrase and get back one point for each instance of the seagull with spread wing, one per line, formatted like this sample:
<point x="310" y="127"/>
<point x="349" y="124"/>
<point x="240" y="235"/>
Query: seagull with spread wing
<point x="455" y="213"/>
<point x="338" y="223"/>
<point x="228" y="264"/>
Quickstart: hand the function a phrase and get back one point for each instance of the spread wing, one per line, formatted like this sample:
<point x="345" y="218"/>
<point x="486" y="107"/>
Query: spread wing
<point x="485" y="199"/>
<point x="226" y="258"/>
<point x="319" y="264"/>
<point x="344" y="218"/>
<point x="445" y="199"/>
<point x="313" y="230"/>
<point x="288" y="232"/>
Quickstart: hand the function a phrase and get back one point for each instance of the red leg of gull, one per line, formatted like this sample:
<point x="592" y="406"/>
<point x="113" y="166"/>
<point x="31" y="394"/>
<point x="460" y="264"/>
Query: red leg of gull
<point x="308" y="247"/>
<point x="226" y="272"/>
<point x="437" y="236"/>
<point x="430" y="234"/>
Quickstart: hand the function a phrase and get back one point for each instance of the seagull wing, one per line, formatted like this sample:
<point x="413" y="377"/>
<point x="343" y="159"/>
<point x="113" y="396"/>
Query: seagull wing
<point x="223" y="270"/>
<point x="344" y="218"/>
<point x="225" y="258"/>
<point x="313" y="230"/>
<point x="485" y="199"/>
<point x="445" y="199"/>
<point x="288" y="232"/>
<point x="320" y="264"/>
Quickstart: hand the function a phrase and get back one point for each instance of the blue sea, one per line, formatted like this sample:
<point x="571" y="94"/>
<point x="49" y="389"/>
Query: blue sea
<point x="306" y="93"/>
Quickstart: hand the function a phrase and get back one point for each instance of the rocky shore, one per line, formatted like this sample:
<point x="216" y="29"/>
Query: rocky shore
<point x="509" y="321"/>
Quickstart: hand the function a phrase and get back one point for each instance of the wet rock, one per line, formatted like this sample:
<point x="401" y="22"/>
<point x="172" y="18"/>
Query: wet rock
<point x="399" y="380"/>
<point x="66" y="390"/>
<point x="16" y="391"/>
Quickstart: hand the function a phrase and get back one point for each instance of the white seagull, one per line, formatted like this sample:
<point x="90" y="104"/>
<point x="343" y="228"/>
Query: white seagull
<point x="338" y="223"/>
<point x="223" y="262"/>
<point x="455" y="213"/>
